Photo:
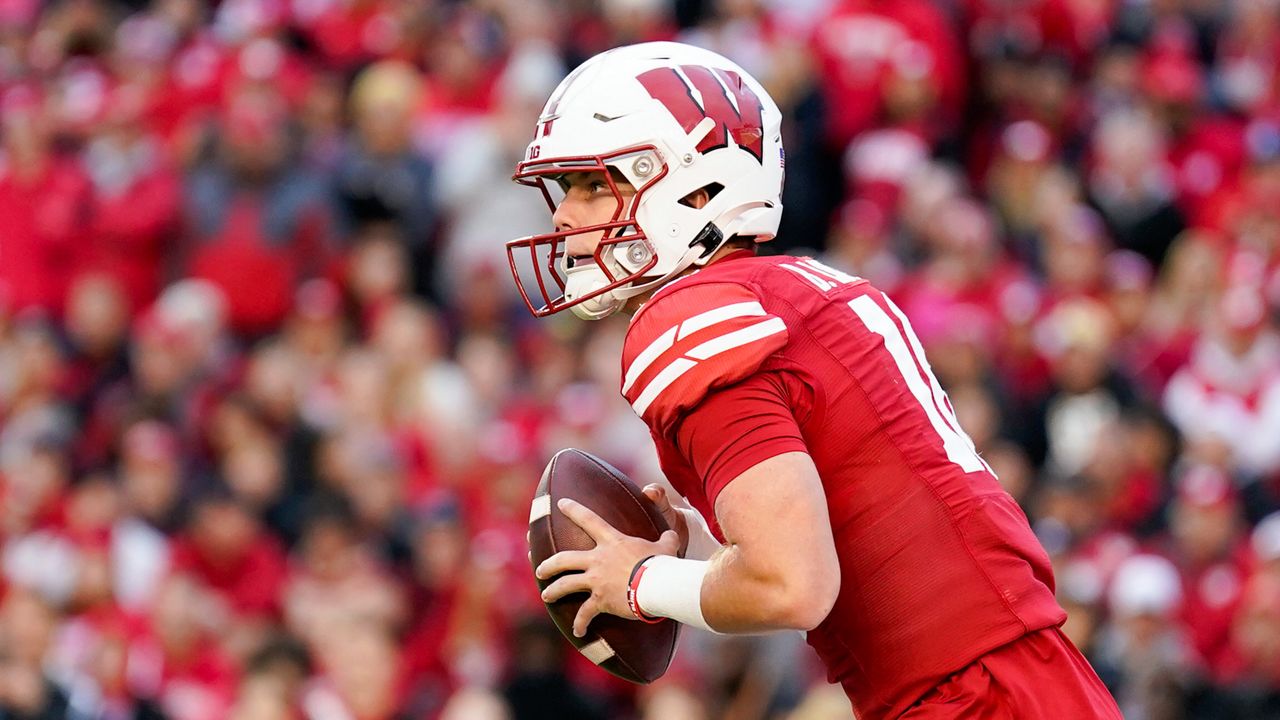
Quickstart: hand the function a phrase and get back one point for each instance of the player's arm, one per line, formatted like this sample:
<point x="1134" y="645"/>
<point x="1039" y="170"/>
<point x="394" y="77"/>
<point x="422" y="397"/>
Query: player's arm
<point x="779" y="569"/>
<point x="777" y="572"/>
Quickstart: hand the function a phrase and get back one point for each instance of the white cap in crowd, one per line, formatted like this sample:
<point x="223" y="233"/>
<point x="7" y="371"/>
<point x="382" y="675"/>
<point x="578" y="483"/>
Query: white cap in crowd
<point x="1145" y="585"/>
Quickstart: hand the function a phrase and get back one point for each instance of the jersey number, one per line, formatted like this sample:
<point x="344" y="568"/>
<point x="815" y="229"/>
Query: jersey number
<point x="907" y="354"/>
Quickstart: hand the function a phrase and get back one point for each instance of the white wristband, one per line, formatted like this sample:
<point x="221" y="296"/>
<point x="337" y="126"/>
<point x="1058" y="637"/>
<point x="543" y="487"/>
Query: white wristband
<point x="702" y="544"/>
<point x="672" y="587"/>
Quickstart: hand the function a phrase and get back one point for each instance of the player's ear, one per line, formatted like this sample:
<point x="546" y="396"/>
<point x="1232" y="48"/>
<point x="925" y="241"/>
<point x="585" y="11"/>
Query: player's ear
<point x="696" y="199"/>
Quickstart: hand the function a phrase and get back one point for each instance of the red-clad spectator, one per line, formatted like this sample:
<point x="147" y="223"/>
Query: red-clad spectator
<point x="257" y="224"/>
<point x="1205" y="544"/>
<point x="97" y="325"/>
<point x="1226" y="400"/>
<point x="859" y="42"/>
<point x="225" y="547"/>
<point x="1017" y="180"/>
<point x="1072" y="29"/>
<point x="135" y="202"/>
<point x="44" y="205"/>
<point x="1247" y="50"/>
<point x="966" y="268"/>
<point x="336" y="579"/>
<point x="178" y="662"/>
<point x="1074" y="250"/>
<point x="1206" y="152"/>
<point x="350" y="34"/>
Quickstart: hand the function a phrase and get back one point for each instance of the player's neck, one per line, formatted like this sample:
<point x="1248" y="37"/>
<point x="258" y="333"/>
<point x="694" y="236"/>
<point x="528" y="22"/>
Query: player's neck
<point x="634" y="304"/>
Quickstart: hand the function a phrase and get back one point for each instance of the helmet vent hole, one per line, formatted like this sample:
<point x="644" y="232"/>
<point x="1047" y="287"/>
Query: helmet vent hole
<point x="711" y="190"/>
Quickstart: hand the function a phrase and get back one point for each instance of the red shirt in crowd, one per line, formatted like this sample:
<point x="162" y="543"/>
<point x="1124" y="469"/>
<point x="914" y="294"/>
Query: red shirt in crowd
<point x="861" y="41"/>
<point x="250" y="584"/>
<point x="754" y="357"/>
<point x="43" y="216"/>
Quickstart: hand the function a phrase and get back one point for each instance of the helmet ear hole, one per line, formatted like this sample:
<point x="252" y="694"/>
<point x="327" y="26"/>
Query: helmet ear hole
<point x="703" y="195"/>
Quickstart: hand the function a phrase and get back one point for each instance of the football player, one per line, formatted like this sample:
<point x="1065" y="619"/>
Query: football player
<point x="791" y="405"/>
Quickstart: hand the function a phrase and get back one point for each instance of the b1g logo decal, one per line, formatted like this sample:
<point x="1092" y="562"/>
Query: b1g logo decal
<point x="731" y="103"/>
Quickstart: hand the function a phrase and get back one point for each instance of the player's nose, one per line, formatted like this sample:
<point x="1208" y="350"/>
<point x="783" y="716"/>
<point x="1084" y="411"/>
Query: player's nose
<point x="565" y="216"/>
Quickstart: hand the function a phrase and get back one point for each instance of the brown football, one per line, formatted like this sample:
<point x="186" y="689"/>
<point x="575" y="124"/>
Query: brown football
<point x="630" y="649"/>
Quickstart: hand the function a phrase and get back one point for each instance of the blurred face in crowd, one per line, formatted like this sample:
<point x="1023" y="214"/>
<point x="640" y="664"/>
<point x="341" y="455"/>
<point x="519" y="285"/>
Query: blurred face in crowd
<point x="365" y="387"/>
<point x="254" y="133"/>
<point x="150" y="485"/>
<point x="1257" y="628"/>
<point x="475" y="704"/>
<point x="1205" y="532"/>
<point x="23" y="131"/>
<point x="33" y="485"/>
<point x="362" y="664"/>
<point x="234" y="422"/>
<point x="407" y="335"/>
<point x="1191" y="271"/>
<point x="977" y="412"/>
<point x="40" y="365"/>
<point x="489" y="364"/>
<point x="156" y="363"/>
<point x="1074" y="251"/>
<point x="179" y="606"/>
<point x="272" y="382"/>
<point x="26" y="628"/>
<point x="223" y="531"/>
<point x="440" y="552"/>
<point x="261" y="698"/>
<point x="327" y="548"/>
<point x="383" y="101"/>
<point x="377" y="491"/>
<point x="255" y="472"/>
<point x="378" y="266"/>
<point x="97" y="315"/>
<point x="1011" y="466"/>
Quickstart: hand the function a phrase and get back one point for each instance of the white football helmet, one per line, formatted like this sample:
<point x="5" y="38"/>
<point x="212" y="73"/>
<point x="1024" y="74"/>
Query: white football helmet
<point x="671" y="119"/>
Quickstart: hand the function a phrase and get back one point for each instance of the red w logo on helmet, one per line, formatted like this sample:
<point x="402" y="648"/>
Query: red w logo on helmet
<point x="731" y="103"/>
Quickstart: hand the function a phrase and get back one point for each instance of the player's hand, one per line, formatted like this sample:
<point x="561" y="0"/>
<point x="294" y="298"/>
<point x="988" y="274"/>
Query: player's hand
<point x="676" y="517"/>
<point x="604" y="571"/>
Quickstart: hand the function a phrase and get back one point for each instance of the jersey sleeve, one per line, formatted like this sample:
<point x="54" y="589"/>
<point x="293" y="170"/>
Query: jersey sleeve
<point x="738" y="427"/>
<point x="691" y="341"/>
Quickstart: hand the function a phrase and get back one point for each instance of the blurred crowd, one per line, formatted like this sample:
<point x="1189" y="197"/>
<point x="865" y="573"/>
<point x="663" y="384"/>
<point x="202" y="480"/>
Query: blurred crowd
<point x="271" y="412"/>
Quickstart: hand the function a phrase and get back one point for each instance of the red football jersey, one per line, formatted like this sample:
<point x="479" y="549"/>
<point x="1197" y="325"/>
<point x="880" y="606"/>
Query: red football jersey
<point x="752" y="357"/>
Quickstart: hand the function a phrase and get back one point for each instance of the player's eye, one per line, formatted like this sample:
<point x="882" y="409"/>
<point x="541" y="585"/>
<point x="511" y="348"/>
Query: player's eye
<point x="597" y="186"/>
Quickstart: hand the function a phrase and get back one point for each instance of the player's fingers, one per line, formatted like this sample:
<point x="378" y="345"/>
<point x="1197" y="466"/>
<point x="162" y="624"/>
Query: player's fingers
<point x="566" y="585"/>
<point x="585" y="615"/>
<point x="670" y="539"/>
<point x="658" y="495"/>
<point x="585" y="518"/>
<point x="562" y="562"/>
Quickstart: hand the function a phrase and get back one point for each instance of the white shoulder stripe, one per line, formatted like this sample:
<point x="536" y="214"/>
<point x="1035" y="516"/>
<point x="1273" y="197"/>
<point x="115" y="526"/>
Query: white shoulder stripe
<point x="708" y="349"/>
<point x="669" y="374"/>
<point x="718" y="315"/>
<point x="701" y="321"/>
<point x="647" y="356"/>
<point x="738" y="338"/>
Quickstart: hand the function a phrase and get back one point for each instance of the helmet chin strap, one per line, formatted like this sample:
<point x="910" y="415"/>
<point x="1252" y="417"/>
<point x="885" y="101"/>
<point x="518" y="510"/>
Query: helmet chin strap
<point x="586" y="280"/>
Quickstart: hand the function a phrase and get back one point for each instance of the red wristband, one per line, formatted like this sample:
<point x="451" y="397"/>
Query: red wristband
<point x="632" y="587"/>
